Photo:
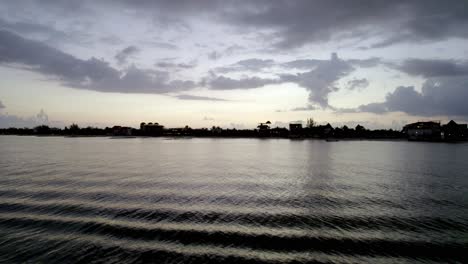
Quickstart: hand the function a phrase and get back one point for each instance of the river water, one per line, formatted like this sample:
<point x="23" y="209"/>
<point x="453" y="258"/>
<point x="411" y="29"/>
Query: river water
<point x="162" y="200"/>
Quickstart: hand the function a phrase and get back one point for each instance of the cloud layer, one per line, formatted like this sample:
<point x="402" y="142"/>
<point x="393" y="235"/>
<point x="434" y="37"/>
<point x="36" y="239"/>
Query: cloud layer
<point x="439" y="96"/>
<point x="178" y="48"/>
<point x="92" y="74"/>
<point x="124" y="54"/>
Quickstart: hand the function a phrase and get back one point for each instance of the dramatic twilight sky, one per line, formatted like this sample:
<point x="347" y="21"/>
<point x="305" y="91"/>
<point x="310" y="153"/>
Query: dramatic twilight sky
<point x="379" y="63"/>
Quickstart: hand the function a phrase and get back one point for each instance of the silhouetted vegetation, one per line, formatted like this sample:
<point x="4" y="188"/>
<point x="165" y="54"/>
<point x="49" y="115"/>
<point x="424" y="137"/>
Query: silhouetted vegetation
<point x="416" y="131"/>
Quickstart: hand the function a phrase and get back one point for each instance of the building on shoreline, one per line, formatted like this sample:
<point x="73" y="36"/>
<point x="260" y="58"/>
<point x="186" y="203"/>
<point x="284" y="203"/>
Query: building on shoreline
<point x="264" y="129"/>
<point x="424" y="131"/>
<point x="434" y="131"/>
<point x="121" y="131"/>
<point x="295" y="130"/>
<point x="151" y="129"/>
<point x="454" y="132"/>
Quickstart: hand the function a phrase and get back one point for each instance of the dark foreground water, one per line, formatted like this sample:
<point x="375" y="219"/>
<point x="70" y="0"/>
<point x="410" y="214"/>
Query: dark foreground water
<point x="101" y="200"/>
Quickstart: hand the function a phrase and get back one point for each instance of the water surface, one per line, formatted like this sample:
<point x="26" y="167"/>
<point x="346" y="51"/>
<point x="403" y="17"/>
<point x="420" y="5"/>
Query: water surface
<point x="161" y="200"/>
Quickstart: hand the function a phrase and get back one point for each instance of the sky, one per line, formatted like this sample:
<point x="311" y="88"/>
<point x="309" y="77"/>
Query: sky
<point x="377" y="63"/>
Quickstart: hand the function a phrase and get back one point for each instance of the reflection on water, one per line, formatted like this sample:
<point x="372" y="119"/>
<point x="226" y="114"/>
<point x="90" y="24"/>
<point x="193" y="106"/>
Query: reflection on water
<point x="68" y="200"/>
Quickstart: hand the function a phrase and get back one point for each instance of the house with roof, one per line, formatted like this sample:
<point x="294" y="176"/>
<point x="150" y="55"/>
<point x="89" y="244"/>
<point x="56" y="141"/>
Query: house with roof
<point x="423" y="131"/>
<point x="454" y="132"/>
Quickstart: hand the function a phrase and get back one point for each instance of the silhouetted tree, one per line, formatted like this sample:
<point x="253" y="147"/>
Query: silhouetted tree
<point x="42" y="130"/>
<point x="310" y="123"/>
<point x="74" y="129"/>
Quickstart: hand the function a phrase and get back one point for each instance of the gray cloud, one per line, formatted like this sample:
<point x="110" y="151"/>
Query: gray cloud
<point x="43" y="32"/>
<point x="365" y="63"/>
<point x="163" y="45"/>
<point x="321" y="81"/>
<point x="302" y="64"/>
<point x="432" y="68"/>
<point x="439" y="96"/>
<point x="301" y="22"/>
<point x="124" y="54"/>
<point x="7" y="121"/>
<point x="297" y="109"/>
<point x="30" y="27"/>
<point x="234" y="49"/>
<point x="292" y="24"/>
<point x="306" y="108"/>
<point x="111" y="40"/>
<point x="167" y="64"/>
<point x="41" y="118"/>
<point x="214" y="55"/>
<point x="226" y="83"/>
<point x="198" y="98"/>
<point x="1" y="105"/>
<point x="358" y="84"/>
<point x="312" y="63"/>
<point x="247" y="65"/>
<point x="91" y="74"/>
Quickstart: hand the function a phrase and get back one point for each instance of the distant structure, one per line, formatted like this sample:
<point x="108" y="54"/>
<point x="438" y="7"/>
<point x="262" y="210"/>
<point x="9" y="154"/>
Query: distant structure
<point x="182" y="131"/>
<point x="151" y="129"/>
<point x="328" y="130"/>
<point x="423" y="131"/>
<point x="295" y="130"/>
<point x="264" y="129"/>
<point x="279" y="132"/>
<point x="454" y="132"/>
<point x="121" y="131"/>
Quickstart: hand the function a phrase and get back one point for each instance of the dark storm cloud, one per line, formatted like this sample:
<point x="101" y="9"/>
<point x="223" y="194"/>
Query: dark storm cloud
<point x="433" y="68"/>
<point x="358" y="84"/>
<point x="124" y="54"/>
<point x="291" y="24"/>
<point x="91" y="74"/>
<point x="296" y="23"/>
<point x="439" y="96"/>
<point x="198" y="98"/>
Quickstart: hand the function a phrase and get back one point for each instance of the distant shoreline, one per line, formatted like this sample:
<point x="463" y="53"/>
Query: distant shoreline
<point x="221" y="137"/>
<point x="419" y="131"/>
